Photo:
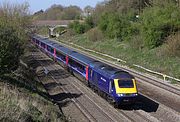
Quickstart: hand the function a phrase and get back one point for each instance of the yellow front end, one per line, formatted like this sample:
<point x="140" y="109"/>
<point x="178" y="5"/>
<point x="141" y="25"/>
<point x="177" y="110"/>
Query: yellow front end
<point x="125" y="90"/>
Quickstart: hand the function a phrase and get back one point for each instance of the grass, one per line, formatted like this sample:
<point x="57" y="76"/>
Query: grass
<point x="151" y="59"/>
<point x="42" y="30"/>
<point x="18" y="104"/>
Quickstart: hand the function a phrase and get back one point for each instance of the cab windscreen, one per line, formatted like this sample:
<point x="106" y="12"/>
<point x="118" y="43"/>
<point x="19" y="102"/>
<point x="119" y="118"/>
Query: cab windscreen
<point x="126" y="83"/>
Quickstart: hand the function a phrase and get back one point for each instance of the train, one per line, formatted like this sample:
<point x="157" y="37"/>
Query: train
<point x="117" y="86"/>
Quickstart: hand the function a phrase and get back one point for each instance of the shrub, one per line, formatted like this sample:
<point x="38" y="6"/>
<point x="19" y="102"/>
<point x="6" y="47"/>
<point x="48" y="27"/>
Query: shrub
<point x="95" y="35"/>
<point x="14" y="23"/>
<point x="89" y="21"/>
<point x="79" y="28"/>
<point x="115" y="25"/>
<point x="10" y="49"/>
<point x="136" y="42"/>
<point x="173" y="45"/>
<point x="76" y="26"/>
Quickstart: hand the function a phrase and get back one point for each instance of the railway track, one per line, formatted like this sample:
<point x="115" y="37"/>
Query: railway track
<point x="76" y="102"/>
<point x="94" y="115"/>
<point x="155" y="82"/>
<point x="117" y="114"/>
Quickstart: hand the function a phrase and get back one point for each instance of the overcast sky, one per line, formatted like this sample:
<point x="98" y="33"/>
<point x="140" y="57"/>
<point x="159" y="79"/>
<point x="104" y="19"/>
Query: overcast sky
<point x="36" y="5"/>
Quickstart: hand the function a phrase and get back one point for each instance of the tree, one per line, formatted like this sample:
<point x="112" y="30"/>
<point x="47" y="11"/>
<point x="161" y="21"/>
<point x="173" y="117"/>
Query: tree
<point x="159" y="22"/>
<point x="71" y="13"/>
<point x="88" y="10"/>
<point x="98" y="11"/>
<point x="10" y="49"/>
<point x="58" y="12"/>
<point x="14" y="23"/>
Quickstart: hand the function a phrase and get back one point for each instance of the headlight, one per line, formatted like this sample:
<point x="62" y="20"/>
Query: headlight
<point x="120" y="95"/>
<point x="135" y="94"/>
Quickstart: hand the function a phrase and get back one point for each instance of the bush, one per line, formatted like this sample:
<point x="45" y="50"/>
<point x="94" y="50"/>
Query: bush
<point x="136" y="42"/>
<point x="157" y="23"/>
<point x="13" y="27"/>
<point x="79" y="28"/>
<point x="172" y="47"/>
<point x="95" y="35"/>
<point x="10" y="49"/>
<point x="115" y="25"/>
<point x="89" y="21"/>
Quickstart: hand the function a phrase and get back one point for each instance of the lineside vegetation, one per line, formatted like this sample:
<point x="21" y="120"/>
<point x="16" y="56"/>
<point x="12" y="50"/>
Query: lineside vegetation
<point x="22" y="97"/>
<point x="13" y="26"/>
<point x="142" y="32"/>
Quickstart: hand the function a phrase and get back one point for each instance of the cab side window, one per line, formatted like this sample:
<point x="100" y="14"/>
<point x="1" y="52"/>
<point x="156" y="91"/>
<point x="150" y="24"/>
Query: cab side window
<point x="112" y="84"/>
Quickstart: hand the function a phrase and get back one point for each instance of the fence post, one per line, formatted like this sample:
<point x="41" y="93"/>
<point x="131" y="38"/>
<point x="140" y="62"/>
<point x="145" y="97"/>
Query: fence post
<point x="164" y="76"/>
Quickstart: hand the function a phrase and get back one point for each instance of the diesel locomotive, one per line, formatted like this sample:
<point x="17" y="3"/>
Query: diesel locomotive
<point x="117" y="86"/>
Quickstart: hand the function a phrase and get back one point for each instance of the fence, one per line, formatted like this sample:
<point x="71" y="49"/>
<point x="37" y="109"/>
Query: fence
<point x="120" y="60"/>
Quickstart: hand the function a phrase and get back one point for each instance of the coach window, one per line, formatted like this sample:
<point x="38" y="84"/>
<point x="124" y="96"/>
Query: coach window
<point x="60" y="55"/>
<point x="37" y="42"/>
<point x="71" y="62"/>
<point x="80" y="67"/>
<point x="77" y="65"/>
<point x="42" y="45"/>
<point x="50" y="49"/>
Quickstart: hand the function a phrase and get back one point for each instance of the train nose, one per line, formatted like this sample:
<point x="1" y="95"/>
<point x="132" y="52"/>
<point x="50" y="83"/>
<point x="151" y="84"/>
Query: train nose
<point x="125" y="87"/>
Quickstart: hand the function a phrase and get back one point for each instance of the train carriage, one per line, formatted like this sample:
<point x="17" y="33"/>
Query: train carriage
<point x="62" y="55"/>
<point x="79" y="63"/>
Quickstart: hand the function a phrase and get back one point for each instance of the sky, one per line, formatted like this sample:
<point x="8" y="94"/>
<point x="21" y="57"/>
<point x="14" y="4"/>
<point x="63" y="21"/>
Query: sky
<point x="36" y="5"/>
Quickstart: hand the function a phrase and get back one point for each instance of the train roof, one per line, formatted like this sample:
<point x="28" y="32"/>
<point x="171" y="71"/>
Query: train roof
<point x="59" y="47"/>
<point x="37" y="37"/>
<point x="102" y="68"/>
<point x="64" y="50"/>
<point x="49" y="42"/>
<point x="81" y="58"/>
<point x="110" y="71"/>
<point x="122" y="75"/>
<point x="54" y="45"/>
